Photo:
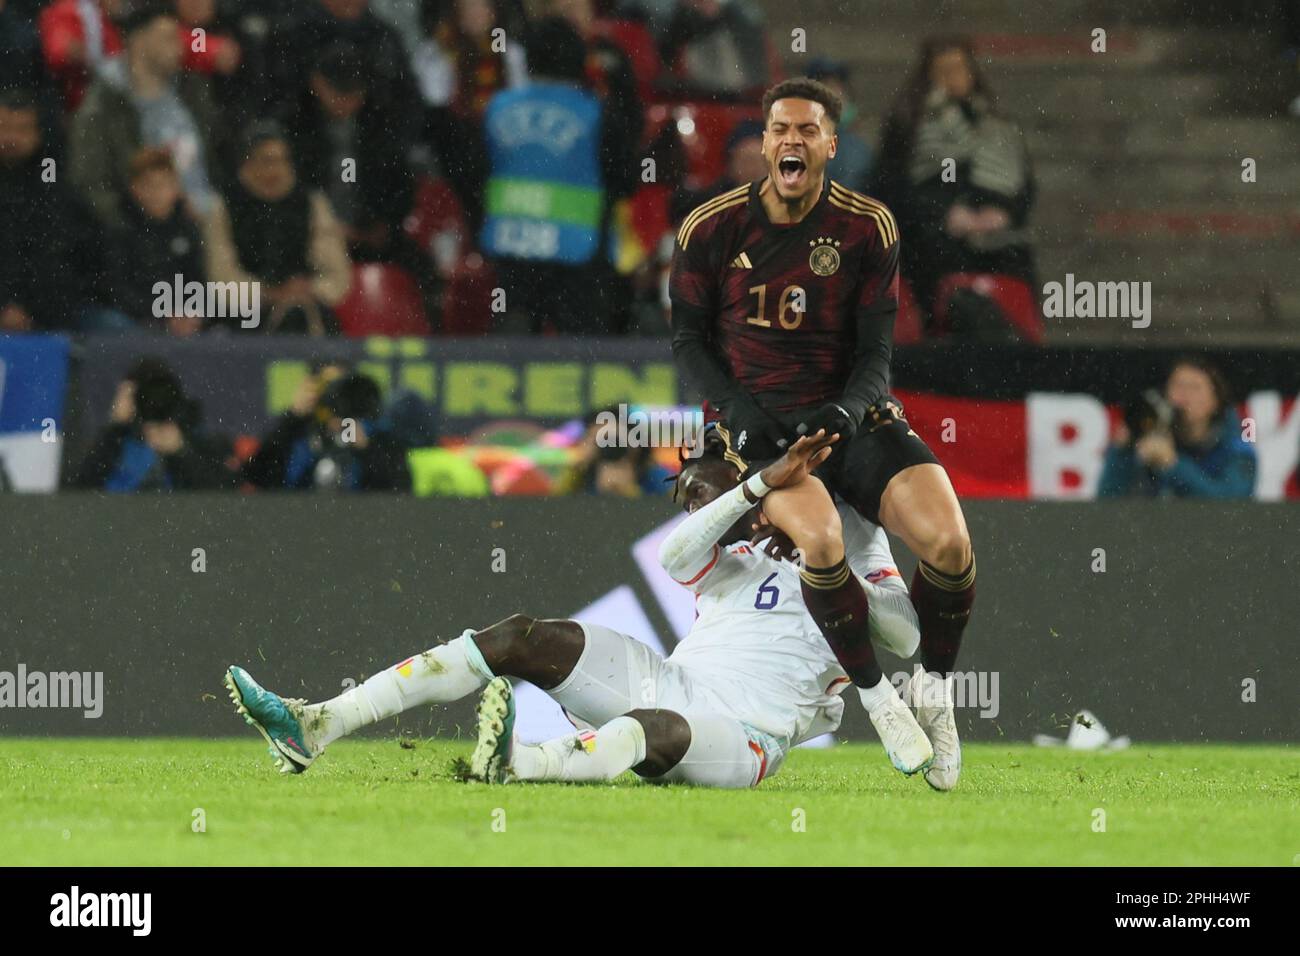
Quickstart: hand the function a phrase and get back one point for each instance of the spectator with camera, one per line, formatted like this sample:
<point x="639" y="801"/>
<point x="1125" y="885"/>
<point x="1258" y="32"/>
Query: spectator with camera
<point x="607" y="464"/>
<point x="1185" y="442"/>
<point x="152" y="441"/>
<point x="273" y="229"/>
<point x="331" y="439"/>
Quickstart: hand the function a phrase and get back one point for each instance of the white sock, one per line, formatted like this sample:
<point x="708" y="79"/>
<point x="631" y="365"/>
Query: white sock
<point x="438" y="676"/>
<point x="873" y="698"/>
<point x="588" y="755"/>
<point x="936" y="690"/>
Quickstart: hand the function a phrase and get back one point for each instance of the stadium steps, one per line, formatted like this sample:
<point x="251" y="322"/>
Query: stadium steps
<point x="1137" y="152"/>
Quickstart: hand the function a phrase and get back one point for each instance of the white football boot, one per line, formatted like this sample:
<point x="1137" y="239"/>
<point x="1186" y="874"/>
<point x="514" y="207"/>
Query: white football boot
<point x="905" y="742"/>
<point x="933" y="699"/>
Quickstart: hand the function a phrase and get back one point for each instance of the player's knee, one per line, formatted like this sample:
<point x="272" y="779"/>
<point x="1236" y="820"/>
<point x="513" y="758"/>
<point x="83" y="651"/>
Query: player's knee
<point x="950" y="550"/>
<point x="822" y="540"/>
<point x="541" y="651"/>
<point x="509" y="636"/>
<point x="667" y="738"/>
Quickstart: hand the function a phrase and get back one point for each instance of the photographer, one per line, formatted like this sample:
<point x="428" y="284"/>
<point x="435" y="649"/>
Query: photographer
<point x="1185" y="443"/>
<point x="152" y="442"/>
<point x="331" y="440"/>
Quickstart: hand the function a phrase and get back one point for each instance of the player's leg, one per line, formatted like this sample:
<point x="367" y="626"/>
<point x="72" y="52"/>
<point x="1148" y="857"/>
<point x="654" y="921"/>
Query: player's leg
<point x="894" y="625"/>
<point x="609" y="676"/>
<point x="890" y="476"/>
<point x="837" y="601"/>
<point x="722" y="753"/>
<point x="660" y="745"/>
<point x="833" y="595"/>
<point x="541" y="651"/>
<point x="920" y="506"/>
<point x="893" y="618"/>
<point x="650" y="742"/>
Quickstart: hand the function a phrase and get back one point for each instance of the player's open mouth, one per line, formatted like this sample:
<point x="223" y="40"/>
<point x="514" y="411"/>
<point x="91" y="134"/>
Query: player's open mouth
<point x="791" y="169"/>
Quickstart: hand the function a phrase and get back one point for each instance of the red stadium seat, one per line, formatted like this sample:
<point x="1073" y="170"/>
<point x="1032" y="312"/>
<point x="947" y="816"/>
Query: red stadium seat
<point x="1013" y="296"/>
<point x="467" y="300"/>
<point x="436" y="210"/>
<point x="703" y="128"/>
<point x="434" y="204"/>
<point x="384" y="300"/>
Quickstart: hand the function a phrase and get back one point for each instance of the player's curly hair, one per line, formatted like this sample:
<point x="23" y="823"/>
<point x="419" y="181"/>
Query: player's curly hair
<point x="804" y="88"/>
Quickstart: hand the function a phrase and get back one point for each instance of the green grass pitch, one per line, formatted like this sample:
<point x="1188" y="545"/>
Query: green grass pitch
<point x="134" y="802"/>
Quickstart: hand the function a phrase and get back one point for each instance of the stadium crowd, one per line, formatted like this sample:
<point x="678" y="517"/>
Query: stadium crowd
<point x="365" y="163"/>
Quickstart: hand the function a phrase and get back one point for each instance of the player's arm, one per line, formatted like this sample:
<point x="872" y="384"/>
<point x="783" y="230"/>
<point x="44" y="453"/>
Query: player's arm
<point x="892" y="618"/>
<point x="692" y="287"/>
<point x="874" y="313"/>
<point x="691" y="549"/>
<point x="698" y="361"/>
<point x="877" y="307"/>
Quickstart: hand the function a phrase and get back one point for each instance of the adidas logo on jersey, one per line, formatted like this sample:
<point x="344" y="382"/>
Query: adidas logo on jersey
<point x="742" y="262"/>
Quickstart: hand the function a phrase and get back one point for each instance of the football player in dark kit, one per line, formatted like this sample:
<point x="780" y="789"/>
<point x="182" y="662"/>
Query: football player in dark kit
<point x="784" y="293"/>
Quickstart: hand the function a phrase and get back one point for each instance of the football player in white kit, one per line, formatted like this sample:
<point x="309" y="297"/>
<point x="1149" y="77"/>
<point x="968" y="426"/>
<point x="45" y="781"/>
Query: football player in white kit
<point x="752" y="679"/>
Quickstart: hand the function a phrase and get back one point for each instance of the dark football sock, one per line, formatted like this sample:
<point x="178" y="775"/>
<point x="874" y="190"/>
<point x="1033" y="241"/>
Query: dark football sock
<point x="838" y="603"/>
<point x="943" y="605"/>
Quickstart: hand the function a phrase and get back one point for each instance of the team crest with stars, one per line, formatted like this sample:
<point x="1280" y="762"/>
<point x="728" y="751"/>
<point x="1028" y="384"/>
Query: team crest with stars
<point x="825" y="257"/>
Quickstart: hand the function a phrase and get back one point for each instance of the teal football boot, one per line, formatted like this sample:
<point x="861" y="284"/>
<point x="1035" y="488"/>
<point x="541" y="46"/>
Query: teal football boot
<point x="277" y="719"/>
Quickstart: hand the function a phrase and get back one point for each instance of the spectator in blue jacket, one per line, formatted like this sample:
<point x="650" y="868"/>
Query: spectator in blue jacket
<point x="332" y="439"/>
<point x="153" y="441"/>
<point x="1200" y="453"/>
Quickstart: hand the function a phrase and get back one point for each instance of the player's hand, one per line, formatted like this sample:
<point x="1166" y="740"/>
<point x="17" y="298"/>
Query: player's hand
<point x="796" y="464"/>
<point x="831" y="418"/>
<point x="755" y="435"/>
<point x="778" y="545"/>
